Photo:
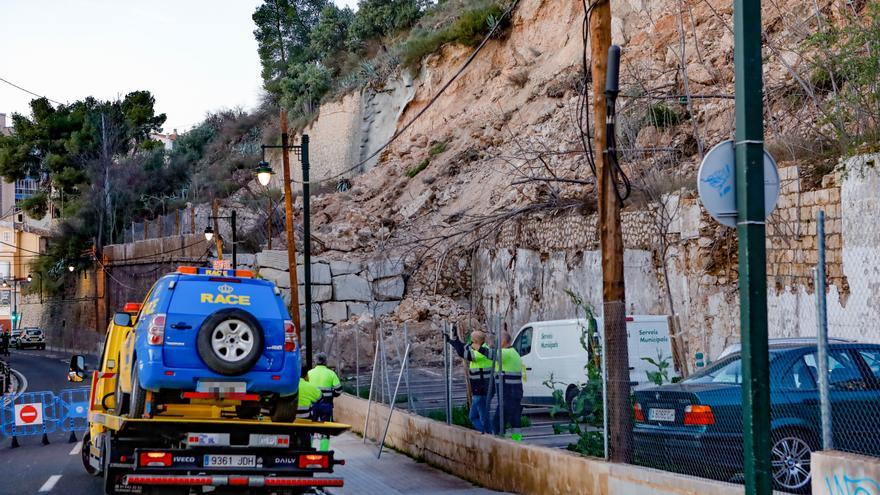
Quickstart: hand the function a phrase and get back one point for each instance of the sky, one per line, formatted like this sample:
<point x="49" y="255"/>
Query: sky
<point x="195" y="56"/>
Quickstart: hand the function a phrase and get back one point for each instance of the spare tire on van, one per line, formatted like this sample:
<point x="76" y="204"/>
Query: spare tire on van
<point x="230" y="341"/>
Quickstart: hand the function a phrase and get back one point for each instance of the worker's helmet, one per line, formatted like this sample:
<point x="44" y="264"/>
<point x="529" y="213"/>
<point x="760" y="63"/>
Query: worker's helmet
<point x="321" y="358"/>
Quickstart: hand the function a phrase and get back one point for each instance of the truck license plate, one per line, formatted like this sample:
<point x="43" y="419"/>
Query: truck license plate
<point x="661" y="415"/>
<point x="230" y="461"/>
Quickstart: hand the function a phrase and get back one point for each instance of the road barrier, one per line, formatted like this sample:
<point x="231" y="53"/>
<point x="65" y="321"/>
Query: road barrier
<point x="41" y="413"/>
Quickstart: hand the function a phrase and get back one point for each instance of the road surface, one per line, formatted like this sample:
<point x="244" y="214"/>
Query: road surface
<point x="56" y="468"/>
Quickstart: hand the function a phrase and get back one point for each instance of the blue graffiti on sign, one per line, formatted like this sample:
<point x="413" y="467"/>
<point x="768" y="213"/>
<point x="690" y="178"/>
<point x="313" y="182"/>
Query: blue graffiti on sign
<point x="851" y="486"/>
<point x="720" y="180"/>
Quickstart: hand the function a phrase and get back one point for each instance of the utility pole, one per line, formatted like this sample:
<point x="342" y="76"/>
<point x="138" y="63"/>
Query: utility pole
<point x="611" y="244"/>
<point x="749" y="146"/>
<point x="288" y="223"/>
<point x="307" y="246"/>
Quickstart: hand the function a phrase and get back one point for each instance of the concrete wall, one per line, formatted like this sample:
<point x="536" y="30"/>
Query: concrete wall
<point x="511" y="466"/>
<point x="839" y="473"/>
<point x="523" y="272"/>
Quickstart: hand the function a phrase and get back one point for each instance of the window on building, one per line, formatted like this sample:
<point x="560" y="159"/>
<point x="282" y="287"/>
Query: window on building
<point x="25" y="188"/>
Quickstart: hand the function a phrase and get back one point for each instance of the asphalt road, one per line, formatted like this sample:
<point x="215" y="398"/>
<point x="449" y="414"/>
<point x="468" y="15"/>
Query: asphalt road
<point x="37" y="468"/>
<point x="56" y="468"/>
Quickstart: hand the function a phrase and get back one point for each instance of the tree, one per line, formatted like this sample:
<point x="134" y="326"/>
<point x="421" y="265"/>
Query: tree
<point x="376" y="18"/>
<point x="329" y="35"/>
<point x="304" y="86"/>
<point x="282" y="34"/>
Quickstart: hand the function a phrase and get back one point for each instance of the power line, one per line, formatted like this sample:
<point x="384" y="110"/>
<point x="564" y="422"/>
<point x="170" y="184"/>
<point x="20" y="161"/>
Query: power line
<point x="434" y="98"/>
<point x="16" y="86"/>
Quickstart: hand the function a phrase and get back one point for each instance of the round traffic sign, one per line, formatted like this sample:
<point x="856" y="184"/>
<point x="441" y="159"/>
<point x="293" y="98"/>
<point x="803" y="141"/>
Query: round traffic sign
<point x="28" y="414"/>
<point x="716" y="183"/>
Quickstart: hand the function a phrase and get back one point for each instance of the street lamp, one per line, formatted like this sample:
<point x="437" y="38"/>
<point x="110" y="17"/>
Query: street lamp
<point x="263" y="174"/>
<point x="209" y="234"/>
<point x="71" y="268"/>
<point x="29" y="278"/>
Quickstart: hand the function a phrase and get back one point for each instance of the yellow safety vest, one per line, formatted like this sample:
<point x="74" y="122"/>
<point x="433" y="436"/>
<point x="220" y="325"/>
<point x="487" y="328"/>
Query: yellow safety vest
<point x="308" y="395"/>
<point x="325" y="379"/>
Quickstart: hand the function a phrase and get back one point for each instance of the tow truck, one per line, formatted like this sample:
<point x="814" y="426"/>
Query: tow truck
<point x="200" y="446"/>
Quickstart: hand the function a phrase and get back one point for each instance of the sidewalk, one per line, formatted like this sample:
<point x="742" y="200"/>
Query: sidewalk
<point x="392" y="474"/>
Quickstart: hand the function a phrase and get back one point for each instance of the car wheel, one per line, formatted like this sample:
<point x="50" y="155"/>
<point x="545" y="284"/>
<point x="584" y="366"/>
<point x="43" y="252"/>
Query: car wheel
<point x="790" y="461"/>
<point x="570" y="396"/>
<point x="285" y="409"/>
<point x="230" y="341"/>
<point x="138" y="401"/>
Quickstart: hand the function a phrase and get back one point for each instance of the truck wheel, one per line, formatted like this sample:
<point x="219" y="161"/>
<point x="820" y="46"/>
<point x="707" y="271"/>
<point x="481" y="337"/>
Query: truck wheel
<point x="230" y="341"/>
<point x="84" y="454"/>
<point x="138" y="401"/>
<point x="120" y="398"/>
<point x="285" y="409"/>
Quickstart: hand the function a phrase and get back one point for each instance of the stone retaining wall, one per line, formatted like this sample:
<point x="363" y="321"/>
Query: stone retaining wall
<point x="340" y="289"/>
<point x="511" y="466"/>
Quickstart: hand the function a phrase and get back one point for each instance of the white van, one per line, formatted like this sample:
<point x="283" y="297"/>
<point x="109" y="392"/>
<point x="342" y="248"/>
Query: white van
<point x="554" y="348"/>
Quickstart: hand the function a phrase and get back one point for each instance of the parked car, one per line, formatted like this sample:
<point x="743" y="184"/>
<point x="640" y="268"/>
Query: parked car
<point x="31" y="337"/>
<point x="735" y="348"/>
<point x="14" y="336"/>
<point x="207" y="332"/>
<point x="695" y="426"/>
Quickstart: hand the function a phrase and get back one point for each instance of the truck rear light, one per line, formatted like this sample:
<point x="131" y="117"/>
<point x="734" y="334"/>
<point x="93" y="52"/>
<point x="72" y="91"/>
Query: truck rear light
<point x="638" y="414"/>
<point x="156" y="330"/>
<point x="155" y="459"/>
<point x="314" y="461"/>
<point x="261" y="440"/>
<point x="698" y="415"/>
<point x="290" y="342"/>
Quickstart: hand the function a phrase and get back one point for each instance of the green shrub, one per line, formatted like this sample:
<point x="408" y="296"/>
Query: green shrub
<point x="468" y="29"/>
<point x="437" y="148"/>
<point x="459" y="416"/>
<point x="412" y="172"/>
<point x="661" y="116"/>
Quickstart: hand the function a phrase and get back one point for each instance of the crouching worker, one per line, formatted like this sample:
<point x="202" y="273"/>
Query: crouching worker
<point x="479" y="358"/>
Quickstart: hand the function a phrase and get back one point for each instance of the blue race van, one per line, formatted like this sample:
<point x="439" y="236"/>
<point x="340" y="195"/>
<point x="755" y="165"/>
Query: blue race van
<point x="205" y="333"/>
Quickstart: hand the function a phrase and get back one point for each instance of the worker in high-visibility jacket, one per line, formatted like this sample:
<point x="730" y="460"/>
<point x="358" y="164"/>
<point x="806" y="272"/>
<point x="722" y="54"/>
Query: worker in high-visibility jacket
<point x="325" y="379"/>
<point x="479" y="357"/>
<point x="511" y="378"/>
<point x="309" y="395"/>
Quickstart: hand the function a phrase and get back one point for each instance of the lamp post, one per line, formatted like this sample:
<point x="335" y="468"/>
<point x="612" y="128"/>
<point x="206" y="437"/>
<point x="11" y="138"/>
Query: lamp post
<point x="264" y="173"/>
<point x="209" y="234"/>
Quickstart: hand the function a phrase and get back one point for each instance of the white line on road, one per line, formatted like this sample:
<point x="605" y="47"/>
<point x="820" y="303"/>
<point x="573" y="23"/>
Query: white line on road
<point x="76" y="448"/>
<point x="50" y="483"/>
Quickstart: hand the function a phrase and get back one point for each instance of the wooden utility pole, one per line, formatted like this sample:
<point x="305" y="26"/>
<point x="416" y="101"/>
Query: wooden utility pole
<point x="611" y="243"/>
<point x="288" y="223"/>
<point x="215" y="212"/>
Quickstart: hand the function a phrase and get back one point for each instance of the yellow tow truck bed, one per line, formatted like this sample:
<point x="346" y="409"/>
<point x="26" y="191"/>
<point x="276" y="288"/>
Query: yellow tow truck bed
<point x="175" y="423"/>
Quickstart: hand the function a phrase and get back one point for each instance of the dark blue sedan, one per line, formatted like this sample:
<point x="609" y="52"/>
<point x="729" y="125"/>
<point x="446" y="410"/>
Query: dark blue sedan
<point x="695" y="427"/>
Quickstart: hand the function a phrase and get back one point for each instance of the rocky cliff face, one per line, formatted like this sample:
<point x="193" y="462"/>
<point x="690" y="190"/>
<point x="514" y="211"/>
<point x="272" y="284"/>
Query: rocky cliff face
<point x="500" y="151"/>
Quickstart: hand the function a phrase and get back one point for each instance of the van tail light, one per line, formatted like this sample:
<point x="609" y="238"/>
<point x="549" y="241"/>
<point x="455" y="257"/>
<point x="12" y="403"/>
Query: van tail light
<point x="698" y="415"/>
<point x="156" y="331"/>
<point x="637" y="413"/>
<point x="290" y="342"/>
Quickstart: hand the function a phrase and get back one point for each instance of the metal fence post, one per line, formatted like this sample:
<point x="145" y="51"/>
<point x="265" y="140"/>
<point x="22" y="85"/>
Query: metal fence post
<point x="409" y="398"/>
<point x="446" y="375"/>
<point x="822" y="320"/>
<point x="393" y="400"/>
<point x="500" y="373"/>
<point x="370" y="393"/>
